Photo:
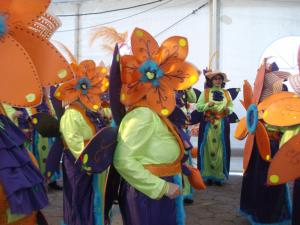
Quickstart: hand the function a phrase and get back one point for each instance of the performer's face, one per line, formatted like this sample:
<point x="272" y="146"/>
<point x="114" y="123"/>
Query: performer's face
<point x="217" y="81"/>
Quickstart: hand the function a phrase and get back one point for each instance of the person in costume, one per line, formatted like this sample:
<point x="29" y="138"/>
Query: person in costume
<point x="40" y="145"/>
<point x="149" y="149"/>
<point x="83" y="192"/>
<point x="181" y="119"/>
<point x="214" y="142"/>
<point x="22" y="191"/>
<point x="259" y="203"/>
<point x="284" y="167"/>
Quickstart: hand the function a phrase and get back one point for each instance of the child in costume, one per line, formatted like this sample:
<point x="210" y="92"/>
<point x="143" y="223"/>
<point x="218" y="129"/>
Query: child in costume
<point x="83" y="192"/>
<point x="214" y="141"/>
<point x="259" y="203"/>
<point x="149" y="149"/>
<point x="22" y="190"/>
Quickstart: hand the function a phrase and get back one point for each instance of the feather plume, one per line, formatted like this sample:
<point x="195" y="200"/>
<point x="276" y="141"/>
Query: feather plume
<point x="70" y="55"/>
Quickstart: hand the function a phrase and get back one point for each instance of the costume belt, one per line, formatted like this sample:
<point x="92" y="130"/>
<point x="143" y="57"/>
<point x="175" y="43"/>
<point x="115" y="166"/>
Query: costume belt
<point x="164" y="170"/>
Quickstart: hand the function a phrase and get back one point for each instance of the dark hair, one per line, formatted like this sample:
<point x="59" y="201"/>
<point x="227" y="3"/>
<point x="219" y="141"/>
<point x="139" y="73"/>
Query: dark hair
<point x="209" y="84"/>
<point x="284" y="87"/>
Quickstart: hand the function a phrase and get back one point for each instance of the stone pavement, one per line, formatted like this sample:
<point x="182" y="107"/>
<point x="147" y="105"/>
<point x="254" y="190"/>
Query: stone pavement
<point x="214" y="206"/>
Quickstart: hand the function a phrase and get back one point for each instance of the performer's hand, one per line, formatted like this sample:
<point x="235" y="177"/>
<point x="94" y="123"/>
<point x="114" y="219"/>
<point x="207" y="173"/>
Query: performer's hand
<point x="210" y="104"/>
<point x="17" y="114"/>
<point x="173" y="191"/>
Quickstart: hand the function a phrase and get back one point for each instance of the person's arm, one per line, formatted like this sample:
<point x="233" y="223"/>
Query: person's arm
<point x="71" y="124"/>
<point x="135" y="132"/>
<point x="201" y="105"/>
<point x="191" y="95"/>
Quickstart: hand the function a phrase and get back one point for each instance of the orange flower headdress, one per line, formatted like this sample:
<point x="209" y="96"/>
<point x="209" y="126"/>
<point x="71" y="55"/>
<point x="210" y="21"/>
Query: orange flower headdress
<point x="90" y="81"/>
<point x="153" y="74"/>
<point x="28" y="61"/>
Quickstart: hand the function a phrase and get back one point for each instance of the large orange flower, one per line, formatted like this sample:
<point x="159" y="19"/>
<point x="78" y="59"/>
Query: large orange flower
<point x="28" y="61"/>
<point x="87" y="86"/>
<point x="153" y="73"/>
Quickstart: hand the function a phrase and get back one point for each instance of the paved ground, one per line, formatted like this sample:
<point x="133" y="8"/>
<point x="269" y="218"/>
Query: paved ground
<point x="214" y="206"/>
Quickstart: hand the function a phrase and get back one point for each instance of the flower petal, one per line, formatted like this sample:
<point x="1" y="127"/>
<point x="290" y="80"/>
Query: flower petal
<point x="248" y="94"/>
<point x="51" y="66"/>
<point x="241" y="129"/>
<point x="67" y="92"/>
<point x="20" y="84"/>
<point x="130" y="69"/>
<point x="86" y="68"/>
<point x="23" y="11"/>
<point x="285" y="165"/>
<point x="263" y="142"/>
<point x="179" y="75"/>
<point x="177" y="47"/>
<point x="284" y="112"/>
<point x="91" y="101"/>
<point x="143" y="45"/>
<point x="248" y="151"/>
<point x="161" y="99"/>
<point x="132" y="93"/>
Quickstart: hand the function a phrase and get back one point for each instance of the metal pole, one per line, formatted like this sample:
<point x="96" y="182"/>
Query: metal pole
<point x="214" y="21"/>
<point x="77" y="32"/>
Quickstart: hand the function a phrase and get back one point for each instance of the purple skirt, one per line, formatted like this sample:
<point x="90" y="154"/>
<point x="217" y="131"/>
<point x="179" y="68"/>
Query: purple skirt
<point x="22" y="181"/>
<point x="138" y="209"/>
<point x="77" y="193"/>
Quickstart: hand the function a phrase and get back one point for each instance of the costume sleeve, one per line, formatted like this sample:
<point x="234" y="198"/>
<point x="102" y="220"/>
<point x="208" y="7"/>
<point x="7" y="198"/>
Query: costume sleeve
<point x="230" y="107"/>
<point x="191" y="95"/>
<point x="9" y="111"/>
<point x="201" y="105"/>
<point x="70" y="125"/>
<point x="288" y="133"/>
<point x="135" y="132"/>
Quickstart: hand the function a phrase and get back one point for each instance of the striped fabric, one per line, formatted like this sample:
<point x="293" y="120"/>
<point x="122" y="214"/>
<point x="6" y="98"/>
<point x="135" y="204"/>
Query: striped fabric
<point x="295" y="83"/>
<point x="273" y="83"/>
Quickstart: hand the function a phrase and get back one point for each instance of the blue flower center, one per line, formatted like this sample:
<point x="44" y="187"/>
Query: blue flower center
<point x="3" y="28"/>
<point x="252" y="118"/>
<point x="83" y="84"/>
<point x="151" y="72"/>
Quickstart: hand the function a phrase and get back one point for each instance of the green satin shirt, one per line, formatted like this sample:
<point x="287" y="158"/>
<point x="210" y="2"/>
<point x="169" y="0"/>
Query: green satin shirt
<point x="202" y="106"/>
<point x="75" y="131"/>
<point x="144" y="139"/>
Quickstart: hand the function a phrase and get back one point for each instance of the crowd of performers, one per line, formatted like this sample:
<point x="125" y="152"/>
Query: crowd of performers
<point x="122" y="135"/>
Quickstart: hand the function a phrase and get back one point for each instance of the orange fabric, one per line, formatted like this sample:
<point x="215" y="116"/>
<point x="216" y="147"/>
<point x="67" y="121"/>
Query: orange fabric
<point x="259" y="83"/>
<point x="263" y="142"/>
<point x="33" y="159"/>
<point x="167" y="62"/>
<point x="164" y="170"/>
<point x="194" y="153"/>
<point x="248" y="94"/>
<point x="40" y="49"/>
<point x="13" y="90"/>
<point x="248" y="151"/>
<point x="273" y="98"/>
<point x="241" y="130"/>
<point x="285" y="165"/>
<point x="284" y="112"/>
<point x="38" y="63"/>
<point x="23" y="11"/>
<point x="195" y="179"/>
